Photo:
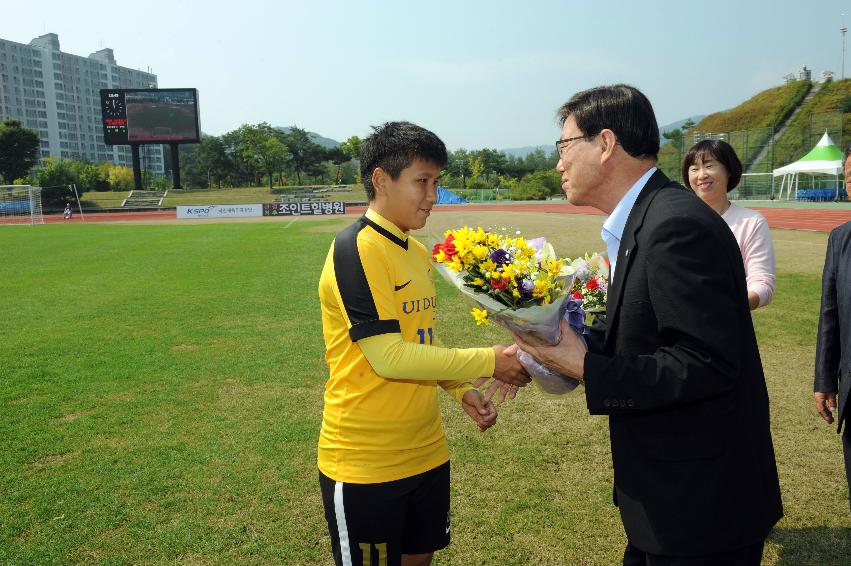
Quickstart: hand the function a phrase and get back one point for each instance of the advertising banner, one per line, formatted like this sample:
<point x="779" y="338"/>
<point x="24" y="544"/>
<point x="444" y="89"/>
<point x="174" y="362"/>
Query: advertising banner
<point x="303" y="208"/>
<point x="220" y="211"/>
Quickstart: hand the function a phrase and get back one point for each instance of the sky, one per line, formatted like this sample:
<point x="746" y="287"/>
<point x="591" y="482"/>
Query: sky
<point x="478" y="74"/>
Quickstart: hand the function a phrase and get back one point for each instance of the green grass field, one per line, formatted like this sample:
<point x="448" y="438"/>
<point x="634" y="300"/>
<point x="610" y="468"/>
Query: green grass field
<point x="161" y="395"/>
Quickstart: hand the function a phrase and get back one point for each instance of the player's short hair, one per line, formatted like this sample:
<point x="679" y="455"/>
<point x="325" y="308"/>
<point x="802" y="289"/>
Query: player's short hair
<point x="393" y="146"/>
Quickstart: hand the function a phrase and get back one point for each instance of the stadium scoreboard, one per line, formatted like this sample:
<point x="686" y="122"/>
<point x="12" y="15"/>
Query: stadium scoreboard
<point x="136" y="116"/>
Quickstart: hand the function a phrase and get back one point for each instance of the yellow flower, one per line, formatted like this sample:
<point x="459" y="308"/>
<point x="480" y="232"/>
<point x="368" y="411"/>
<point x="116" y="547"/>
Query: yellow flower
<point x="488" y="265"/>
<point x="542" y="288"/>
<point x="478" y="281"/>
<point x="481" y="316"/>
<point x="440" y="257"/>
<point x="480" y="252"/>
<point x="480" y="236"/>
<point x="463" y="246"/>
<point x="554" y="266"/>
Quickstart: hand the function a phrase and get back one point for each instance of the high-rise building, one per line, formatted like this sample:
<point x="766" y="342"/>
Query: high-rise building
<point x="58" y="95"/>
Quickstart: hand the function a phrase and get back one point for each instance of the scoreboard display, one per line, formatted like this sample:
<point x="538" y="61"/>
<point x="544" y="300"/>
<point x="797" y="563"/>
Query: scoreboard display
<point x="114" y="114"/>
<point x="168" y="115"/>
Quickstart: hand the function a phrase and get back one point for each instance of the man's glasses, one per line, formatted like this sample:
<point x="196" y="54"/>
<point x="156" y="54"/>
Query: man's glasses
<point x="561" y="145"/>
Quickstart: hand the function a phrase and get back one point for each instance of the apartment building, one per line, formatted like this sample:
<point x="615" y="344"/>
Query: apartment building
<point x="58" y="95"/>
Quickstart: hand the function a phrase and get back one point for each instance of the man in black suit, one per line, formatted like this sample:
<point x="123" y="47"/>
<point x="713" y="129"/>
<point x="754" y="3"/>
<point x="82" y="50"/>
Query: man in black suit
<point x="833" y="349"/>
<point x="675" y="364"/>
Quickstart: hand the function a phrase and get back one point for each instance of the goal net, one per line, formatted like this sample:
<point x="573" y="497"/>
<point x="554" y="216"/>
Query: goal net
<point x="20" y="204"/>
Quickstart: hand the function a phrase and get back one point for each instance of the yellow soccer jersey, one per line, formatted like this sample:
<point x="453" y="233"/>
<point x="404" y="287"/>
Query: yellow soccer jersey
<point x="376" y="280"/>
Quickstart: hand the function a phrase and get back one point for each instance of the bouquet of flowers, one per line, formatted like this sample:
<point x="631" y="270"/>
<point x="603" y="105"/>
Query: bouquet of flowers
<point x="517" y="282"/>
<point x="590" y="284"/>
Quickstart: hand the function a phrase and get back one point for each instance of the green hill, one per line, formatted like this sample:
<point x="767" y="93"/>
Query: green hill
<point x="818" y="116"/>
<point x="756" y="116"/>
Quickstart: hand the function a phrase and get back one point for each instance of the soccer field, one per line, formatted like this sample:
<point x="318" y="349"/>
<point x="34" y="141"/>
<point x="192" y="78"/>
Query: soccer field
<point x="161" y="395"/>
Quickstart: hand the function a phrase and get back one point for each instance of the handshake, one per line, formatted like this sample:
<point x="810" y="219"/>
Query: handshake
<point x="509" y="374"/>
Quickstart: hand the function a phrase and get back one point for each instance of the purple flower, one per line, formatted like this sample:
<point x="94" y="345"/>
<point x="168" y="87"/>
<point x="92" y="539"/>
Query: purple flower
<point x="575" y="316"/>
<point x="501" y="257"/>
<point x="526" y="288"/>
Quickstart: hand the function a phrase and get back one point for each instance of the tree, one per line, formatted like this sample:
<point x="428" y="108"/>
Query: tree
<point x="337" y="156"/>
<point x="459" y="165"/>
<point x="477" y="167"/>
<point x="18" y="150"/>
<point x="675" y="136"/>
<point x="261" y="146"/>
<point x="306" y="155"/>
<point x="213" y="159"/>
<point x="687" y="125"/>
<point x="54" y="178"/>
<point x="494" y="161"/>
<point x="351" y="147"/>
<point x="120" y="178"/>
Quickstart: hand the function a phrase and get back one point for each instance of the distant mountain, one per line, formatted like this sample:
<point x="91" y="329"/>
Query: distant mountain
<point x="315" y="138"/>
<point x="678" y="124"/>
<point x="524" y="151"/>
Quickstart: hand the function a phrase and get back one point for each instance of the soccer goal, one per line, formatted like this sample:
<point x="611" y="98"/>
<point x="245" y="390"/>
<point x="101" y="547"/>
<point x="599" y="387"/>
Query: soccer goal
<point x="20" y="204"/>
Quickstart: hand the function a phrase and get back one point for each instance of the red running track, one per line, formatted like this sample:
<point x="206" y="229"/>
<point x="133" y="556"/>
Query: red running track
<point x="813" y="219"/>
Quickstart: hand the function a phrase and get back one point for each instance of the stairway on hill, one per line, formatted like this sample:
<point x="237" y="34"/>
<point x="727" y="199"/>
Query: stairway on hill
<point x="144" y="199"/>
<point x="782" y="127"/>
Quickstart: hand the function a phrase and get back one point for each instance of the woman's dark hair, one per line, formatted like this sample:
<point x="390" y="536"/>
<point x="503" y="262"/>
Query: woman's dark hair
<point x="720" y="151"/>
<point x="621" y="108"/>
<point x="393" y="146"/>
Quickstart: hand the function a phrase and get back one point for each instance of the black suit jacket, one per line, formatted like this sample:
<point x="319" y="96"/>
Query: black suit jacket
<point x="677" y="367"/>
<point x="833" y="348"/>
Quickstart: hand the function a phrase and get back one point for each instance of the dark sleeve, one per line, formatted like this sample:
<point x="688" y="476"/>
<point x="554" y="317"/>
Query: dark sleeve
<point x="597" y="333"/>
<point x="698" y="306"/>
<point x="366" y="287"/>
<point x="828" y="344"/>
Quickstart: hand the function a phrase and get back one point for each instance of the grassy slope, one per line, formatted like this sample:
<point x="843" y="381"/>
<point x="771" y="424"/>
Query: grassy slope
<point x="162" y="393"/>
<point x="807" y="127"/>
<point x="760" y="111"/>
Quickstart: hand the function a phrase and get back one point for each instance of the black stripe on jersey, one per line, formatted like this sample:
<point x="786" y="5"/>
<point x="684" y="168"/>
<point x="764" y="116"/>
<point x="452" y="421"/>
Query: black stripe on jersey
<point x="389" y="235"/>
<point x="354" y="288"/>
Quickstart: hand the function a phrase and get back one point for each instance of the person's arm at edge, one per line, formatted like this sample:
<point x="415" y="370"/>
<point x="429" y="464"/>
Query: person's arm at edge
<point x="760" y="265"/>
<point x="828" y="347"/>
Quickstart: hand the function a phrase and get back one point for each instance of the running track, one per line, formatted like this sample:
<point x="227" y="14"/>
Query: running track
<point x="812" y="219"/>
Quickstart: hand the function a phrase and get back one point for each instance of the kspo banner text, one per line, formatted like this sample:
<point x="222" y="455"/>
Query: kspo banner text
<point x="220" y="211"/>
<point x="303" y="208"/>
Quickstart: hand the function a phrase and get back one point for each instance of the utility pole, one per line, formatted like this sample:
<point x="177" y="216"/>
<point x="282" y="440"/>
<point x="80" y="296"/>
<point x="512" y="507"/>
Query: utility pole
<point x="843" y="30"/>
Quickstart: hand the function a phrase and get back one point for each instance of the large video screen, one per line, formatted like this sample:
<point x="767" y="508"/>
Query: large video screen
<point x="166" y="115"/>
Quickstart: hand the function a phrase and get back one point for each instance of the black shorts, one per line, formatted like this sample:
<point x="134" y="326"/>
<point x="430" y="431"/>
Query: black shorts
<point x="376" y="523"/>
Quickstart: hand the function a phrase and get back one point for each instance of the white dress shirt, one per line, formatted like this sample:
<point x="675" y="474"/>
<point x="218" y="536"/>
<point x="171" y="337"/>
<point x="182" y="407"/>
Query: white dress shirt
<point x="613" y="226"/>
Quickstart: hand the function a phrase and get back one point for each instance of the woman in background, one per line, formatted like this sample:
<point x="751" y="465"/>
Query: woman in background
<point x="712" y="169"/>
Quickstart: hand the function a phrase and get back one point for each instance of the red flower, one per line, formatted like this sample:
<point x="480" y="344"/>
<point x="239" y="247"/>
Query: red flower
<point x="577" y="295"/>
<point x="449" y="249"/>
<point x="498" y="284"/>
<point x="592" y="284"/>
<point x="435" y="250"/>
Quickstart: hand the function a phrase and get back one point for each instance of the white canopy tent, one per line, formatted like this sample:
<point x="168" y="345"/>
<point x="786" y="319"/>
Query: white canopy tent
<point x="824" y="159"/>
